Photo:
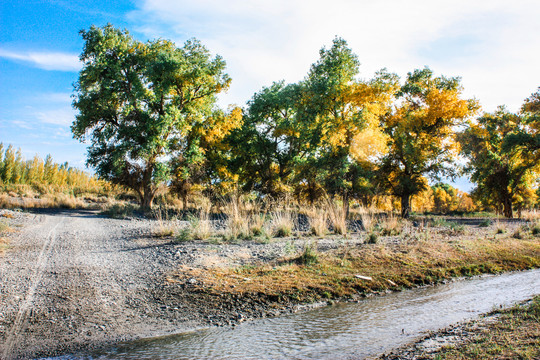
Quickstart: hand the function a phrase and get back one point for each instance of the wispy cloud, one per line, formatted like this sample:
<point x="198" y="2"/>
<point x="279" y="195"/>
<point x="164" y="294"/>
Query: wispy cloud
<point x="493" y="44"/>
<point x="62" y="116"/>
<point x="45" y="60"/>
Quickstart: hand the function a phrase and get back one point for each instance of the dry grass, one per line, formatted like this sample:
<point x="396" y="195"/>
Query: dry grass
<point x="338" y="217"/>
<point x="282" y="223"/>
<point x="257" y="224"/>
<point x="4" y="227"/>
<point x="237" y="223"/>
<point x="367" y="216"/>
<point x="531" y="215"/>
<point x="201" y="226"/>
<point x="165" y="227"/>
<point x="64" y="201"/>
<point x="4" y="244"/>
<point x="391" y="225"/>
<point x="405" y="265"/>
<point x="318" y="220"/>
<point x="515" y="335"/>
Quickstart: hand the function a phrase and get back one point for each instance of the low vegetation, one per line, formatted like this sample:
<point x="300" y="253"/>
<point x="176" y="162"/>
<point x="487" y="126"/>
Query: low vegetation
<point x="4" y="242"/>
<point x="420" y="257"/>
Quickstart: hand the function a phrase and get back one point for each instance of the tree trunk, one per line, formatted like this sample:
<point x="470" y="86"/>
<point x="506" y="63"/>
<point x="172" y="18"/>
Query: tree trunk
<point x="184" y="200"/>
<point x="507" y="207"/>
<point x="405" y="205"/>
<point x="147" y="200"/>
<point x="346" y="203"/>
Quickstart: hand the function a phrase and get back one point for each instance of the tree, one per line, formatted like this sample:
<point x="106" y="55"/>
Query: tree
<point x="420" y="133"/>
<point x="202" y="156"/>
<point x="268" y="145"/>
<point x="504" y="159"/>
<point x="342" y="114"/>
<point x="9" y="165"/>
<point x="138" y="102"/>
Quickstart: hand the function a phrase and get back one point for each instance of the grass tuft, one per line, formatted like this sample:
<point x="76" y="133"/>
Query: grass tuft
<point x="119" y="211"/>
<point x="338" y="217"/>
<point x="309" y="256"/>
<point x="318" y="221"/>
<point x="372" y="238"/>
<point x="282" y="223"/>
<point x="536" y="229"/>
<point x="485" y="223"/>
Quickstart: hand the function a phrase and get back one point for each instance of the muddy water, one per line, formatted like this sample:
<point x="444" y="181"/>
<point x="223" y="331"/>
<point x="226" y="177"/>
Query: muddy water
<point x="344" y="331"/>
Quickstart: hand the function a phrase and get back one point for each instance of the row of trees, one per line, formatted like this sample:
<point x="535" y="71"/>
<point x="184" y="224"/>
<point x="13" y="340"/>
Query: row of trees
<point x="149" y="110"/>
<point x="39" y="173"/>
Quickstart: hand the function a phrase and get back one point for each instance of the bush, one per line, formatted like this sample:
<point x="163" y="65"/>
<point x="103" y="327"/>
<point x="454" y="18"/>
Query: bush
<point x="118" y="211"/>
<point x="485" y="223"/>
<point x="309" y="256"/>
<point x="372" y="238"/>
<point x="536" y="229"/>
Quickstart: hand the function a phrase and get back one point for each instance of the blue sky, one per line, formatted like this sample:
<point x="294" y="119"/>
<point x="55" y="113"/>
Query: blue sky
<point x="493" y="45"/>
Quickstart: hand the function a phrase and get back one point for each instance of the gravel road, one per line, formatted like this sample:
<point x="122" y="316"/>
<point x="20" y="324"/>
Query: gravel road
<point x="73" y="280"/>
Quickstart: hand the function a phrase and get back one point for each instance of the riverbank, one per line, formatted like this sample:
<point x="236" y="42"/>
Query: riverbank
<point x="73" y="279"/>
<point x="510" y="333"/>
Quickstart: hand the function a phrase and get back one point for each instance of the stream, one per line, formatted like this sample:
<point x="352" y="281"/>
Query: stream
<point x="343" y="331"/>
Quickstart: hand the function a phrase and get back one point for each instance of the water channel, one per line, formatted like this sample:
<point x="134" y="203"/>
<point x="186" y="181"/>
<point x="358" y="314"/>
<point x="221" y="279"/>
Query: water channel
<point x="343" y="331"/>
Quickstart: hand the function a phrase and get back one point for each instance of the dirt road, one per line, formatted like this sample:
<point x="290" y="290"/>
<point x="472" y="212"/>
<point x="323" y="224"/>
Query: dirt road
<point x="74" y="280"/>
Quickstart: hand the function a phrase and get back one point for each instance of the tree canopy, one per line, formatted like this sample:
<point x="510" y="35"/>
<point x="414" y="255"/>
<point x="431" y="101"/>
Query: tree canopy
<point x="149" y="111"/>
<point x="143" y="104"/>
<point x="504" y="156"/>
<point x="421" y="131"/>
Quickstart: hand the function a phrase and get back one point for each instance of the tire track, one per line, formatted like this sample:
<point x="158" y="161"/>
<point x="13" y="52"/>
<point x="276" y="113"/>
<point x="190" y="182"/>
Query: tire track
<point x="22" y="315"/>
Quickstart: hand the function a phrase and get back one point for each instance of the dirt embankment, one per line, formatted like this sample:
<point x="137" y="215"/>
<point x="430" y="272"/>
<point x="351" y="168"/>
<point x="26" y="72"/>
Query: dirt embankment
<point x="72" y="280"/>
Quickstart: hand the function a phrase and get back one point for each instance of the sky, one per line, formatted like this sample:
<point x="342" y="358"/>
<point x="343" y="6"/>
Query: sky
<point x="494" y="46"/>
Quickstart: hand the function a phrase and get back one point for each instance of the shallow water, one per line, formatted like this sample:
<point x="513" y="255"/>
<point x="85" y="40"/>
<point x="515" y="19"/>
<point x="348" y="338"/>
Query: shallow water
<point x="343" y="331"/>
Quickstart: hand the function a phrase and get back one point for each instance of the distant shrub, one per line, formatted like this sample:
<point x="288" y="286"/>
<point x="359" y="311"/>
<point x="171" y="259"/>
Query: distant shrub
<point x="119" y="211"/>
<point x="517" y="234"/>
<point x="485" y="223"/>
<point x="536" y="229"/>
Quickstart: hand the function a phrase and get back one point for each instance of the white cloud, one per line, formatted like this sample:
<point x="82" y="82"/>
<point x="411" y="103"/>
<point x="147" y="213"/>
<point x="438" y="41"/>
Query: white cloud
<point x="22" y="124"/>
<point x="62" y="116"/>
<point x="58" y="97"/>
<point x="46" y="60"/>
<point x="492" y="44"/>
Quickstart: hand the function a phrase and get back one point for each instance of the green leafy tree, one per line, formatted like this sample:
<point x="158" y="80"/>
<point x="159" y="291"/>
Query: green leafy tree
<point x="9" y="168"/>
<point x="420" y="131"/>
<point x="268" y="145"/>
<point x="202" y="159"/>
<point x="138" y="102"/>
<point x="342" y="114"/>
<point x="1" y="163"/>
<point x="504" y="158"/>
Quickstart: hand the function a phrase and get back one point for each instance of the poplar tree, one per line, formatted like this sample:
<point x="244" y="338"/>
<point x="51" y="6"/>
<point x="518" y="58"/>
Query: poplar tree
<point x="137" y="104"/>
